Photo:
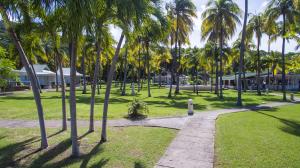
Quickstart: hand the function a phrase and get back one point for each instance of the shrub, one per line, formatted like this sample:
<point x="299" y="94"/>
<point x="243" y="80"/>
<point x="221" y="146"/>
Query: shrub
<point x="137" y="109"/>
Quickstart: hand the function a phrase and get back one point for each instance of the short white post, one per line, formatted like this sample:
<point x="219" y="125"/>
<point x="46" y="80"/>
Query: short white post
<point x="190" y="107"/>
<point x="292" y="97"/>
<point x="132" y="89"/>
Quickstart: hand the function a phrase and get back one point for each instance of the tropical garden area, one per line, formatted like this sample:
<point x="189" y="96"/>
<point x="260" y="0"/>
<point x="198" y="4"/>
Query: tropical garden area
<point x="149" y="83"/>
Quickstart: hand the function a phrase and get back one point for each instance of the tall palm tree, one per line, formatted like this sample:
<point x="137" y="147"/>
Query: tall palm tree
<point x="270" y="28"/>
<point x="183" y="12"/>
<point x="220" y="20"/>
<point x="4" y="7"/>
<point x="76" y="14"/>
<point x="242" y="52"/>
<point x="126" y="13"/>
<point x="255" y="26"/>
<point x="287" y="10"/>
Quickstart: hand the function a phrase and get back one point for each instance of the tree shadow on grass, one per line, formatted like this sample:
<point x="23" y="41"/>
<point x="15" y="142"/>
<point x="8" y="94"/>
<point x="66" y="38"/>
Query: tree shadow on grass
<point x="291" y="127"/>
<point x="10" y="151"/>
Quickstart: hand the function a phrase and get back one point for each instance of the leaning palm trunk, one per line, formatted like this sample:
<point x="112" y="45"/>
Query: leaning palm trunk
<point x="25" y="62"/>
<point x="108" y="88"/>
<point x="242" y="52"/>
<point x="36" y="78"/>
<point x="125" y="74"/>
<point x="283" y="60"/>
<point x="95" y="80"/>
<point x="75" y="148"/>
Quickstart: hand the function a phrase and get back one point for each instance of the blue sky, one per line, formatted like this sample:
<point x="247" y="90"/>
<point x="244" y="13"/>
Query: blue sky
<point x="255" y="6"/>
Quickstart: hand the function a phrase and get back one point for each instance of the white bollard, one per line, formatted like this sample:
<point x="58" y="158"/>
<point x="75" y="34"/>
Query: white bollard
<point x="190" y="107"/>
<point x="292" y="97"/>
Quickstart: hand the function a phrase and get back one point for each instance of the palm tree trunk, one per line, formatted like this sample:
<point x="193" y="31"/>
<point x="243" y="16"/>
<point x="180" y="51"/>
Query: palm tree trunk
<point x="36" y="78"/>
<point x="172" y="70"/>
<point x="148" y="68"/>
<point x="211" y="77"/>
<point x="258" y="68"/>
<point x="176" y="55"/>
<point x="56" y="69"/>
<point x="25" y="62"/>
<point x="95" y="80"/>
<point x="63" y="91"/>
<point x="139" y="69"/>
<point x="75" y="148"/>
<point x="83" y="72"/>
<point x="178" y="68"/>
<point x="221" y="63"/>
<point x="125" y="74"/>
<point x="108" y="88"/>
<point x="217" y="72"/>
<point x="269" y="52"/>
<point x="283" y="60"/>
<point x="242" y="52"/>
<point x="244" y="75"/>
<point x="63" y="97"/>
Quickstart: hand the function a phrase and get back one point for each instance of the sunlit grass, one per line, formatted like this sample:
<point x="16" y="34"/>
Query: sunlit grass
<point x="22" y="105"/>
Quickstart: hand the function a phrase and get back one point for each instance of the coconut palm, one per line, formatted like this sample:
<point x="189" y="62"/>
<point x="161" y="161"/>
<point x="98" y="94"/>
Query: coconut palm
<point x="183" y="12"/>
<point x="127" y="13"/>
<point x="4" y="8"/>
<point x="242" y="52"/>
<point x="255" y="26"/>
<point x="220" y="20"/>
<point x="287" y="10"/>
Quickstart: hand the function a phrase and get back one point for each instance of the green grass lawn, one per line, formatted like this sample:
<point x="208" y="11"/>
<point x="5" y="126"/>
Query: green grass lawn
<point x="22" y="105"/>
<point x="266" y="138"/>
<point x="137" y="147"/>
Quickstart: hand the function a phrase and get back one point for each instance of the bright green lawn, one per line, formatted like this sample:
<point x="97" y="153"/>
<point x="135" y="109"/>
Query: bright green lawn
<point x="137" y="147"/>
<point x="267" y="138"/>
<point x="22" y="105"/>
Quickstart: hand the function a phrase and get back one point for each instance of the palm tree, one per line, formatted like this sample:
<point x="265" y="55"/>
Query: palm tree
<point x="271" y="30"/>
<point x="183" y="11"/>
<point x="220" y="19"/>
<point x="255" y="26"/>
<point x="76" y="17"/>
<point x="242" y="52"/>
<point x="286" y="9"/>
<point x="126" y="13"/>
<point x="8" y="25"/>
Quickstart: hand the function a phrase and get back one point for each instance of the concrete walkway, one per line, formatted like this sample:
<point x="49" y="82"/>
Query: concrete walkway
<point x="169" y="122"/>
<point x="193" y="146"/>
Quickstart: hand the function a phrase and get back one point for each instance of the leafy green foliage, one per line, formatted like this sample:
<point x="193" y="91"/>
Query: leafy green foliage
<point x="6" y="67"/>
<point x="137" y="109"/>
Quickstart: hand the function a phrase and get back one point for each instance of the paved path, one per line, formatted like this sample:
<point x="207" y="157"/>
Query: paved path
<point x="193" y="146"/>
<point x="169" y="122"/>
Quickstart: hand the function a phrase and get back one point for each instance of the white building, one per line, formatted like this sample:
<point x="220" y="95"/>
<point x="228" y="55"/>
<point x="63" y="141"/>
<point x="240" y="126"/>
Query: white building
<point x="67" y="72"/>
<point x="46" y="78"/>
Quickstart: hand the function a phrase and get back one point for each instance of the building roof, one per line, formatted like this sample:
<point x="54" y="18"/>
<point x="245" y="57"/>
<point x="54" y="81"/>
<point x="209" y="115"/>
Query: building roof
<point x="247" y="75"/>
<point x="67" y="72"/>
<point x="40" y="69"/>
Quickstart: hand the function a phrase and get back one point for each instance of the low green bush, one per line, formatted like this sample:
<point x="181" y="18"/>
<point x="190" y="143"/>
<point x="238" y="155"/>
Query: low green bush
<point x="137" y="109"/>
